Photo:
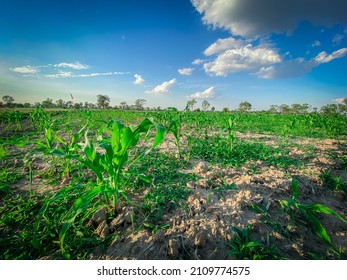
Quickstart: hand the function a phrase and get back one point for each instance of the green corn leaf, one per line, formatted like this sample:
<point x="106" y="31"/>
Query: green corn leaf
<point x="78" y="135"/>
<point x="2" y="151"/>
<point x="61" y="193"/>
<point x="77" y="208"/>
<point x="319" y="208"/>
<point x="251" y="244"/>
<point x="318" y="228"/>
<point x="159" y="134"/>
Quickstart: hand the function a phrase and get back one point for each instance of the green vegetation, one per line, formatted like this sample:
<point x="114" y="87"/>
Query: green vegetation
<point x="60" y="167"/>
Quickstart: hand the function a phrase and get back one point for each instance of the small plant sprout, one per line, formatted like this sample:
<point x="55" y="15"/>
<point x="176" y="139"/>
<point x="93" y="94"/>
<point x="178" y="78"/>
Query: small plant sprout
<point x="308" y="212"/>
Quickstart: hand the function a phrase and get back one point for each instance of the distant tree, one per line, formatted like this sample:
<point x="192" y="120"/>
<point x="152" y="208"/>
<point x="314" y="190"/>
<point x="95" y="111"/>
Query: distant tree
<point x="304" y="108"/>
<point x="190" y="104"/>
<point x="48" y="103"/>
<point x="8" y="100"/>
<point x="123" y="105"/>
<point x="245" y="106"/>
<point x="342" y="106"/>
<point x="60" y="103"/>
<point x="26" y="105"/>
<point x="68" y="104"/>
<point x="103" y="101"/>
<point x="284" y="109"/>
<point x="78" y="105"/>
<point x="172" y="109"/>
<point x="139" y="104"/>
<point x="205" y="105"/>
<point x="225" y="110"/>
<point x="273" y="108"/>
<point x="329" y="109"/>
<point x="213" y="109"/>
<point x="88" y="105"/>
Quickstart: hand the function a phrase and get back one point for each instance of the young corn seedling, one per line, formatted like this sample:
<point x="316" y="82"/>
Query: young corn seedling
<point x="68" y="150"/>
<point x="231" y="130"/>
<point x="244" y="248"/>
<point x="108" y="166"/>
<point x="39" y="118"/>
<point x="175" y="128"/>
<point x="308" y="212"/>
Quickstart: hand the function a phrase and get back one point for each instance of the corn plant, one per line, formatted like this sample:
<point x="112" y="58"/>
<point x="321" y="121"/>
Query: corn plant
<point x="68" y="149"/>
<point x="175" y="129"/>
<point x="244" y="248"/>
<point x="108" y="166"/>
<point x="230" y="128"/>
<point x="308" y="212"/>
<point x="39" y="118"/>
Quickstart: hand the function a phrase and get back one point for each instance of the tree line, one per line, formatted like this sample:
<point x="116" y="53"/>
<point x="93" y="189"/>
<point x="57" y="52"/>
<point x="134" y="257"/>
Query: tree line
<point x="103" y="102"/>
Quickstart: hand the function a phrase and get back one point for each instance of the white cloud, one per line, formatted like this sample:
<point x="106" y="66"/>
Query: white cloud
<point x="164" y="88"/>
<point x="323" y="57"/>
<point x="222" y="45"/>
<point x="60" y="74"/>
<point x="27" y="69"/>
<point x="245" y="58"/>
<point x="75" y="65"/>
<point x="254" y="18"/>
<point x="186" y="71"/>
<point x="138" y="79"/>
<point x="208" y="93"/>
<point x="64" y="74"/>
<point x="198" y="61"/>
<point x="298" y="67"/>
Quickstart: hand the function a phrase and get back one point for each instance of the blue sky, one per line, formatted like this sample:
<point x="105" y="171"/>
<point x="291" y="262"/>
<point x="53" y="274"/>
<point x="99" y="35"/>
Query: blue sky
<point x="166" y="52"/>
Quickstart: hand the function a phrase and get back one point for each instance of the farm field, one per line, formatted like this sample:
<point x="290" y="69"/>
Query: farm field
<point x="112" y="184"/>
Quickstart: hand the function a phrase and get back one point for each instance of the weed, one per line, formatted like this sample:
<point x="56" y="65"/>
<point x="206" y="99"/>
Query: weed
<point x="244" y="248"/>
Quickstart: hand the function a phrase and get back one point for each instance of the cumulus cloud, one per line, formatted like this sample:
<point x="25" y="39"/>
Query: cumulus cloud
<point x="138" y="79"/>
<point x="254" y="18"/>
<point x="164" y="88"/>
<point x="75" y="65"/>
<point x="300" y="66"/>
<point x="186" y="71"/>
<point x="240" y="58"/>
<point x="208" y="93"/>
<point x="222" y="45"/>
<point x="27" y="69"/>
<point x="198" y="61"/>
